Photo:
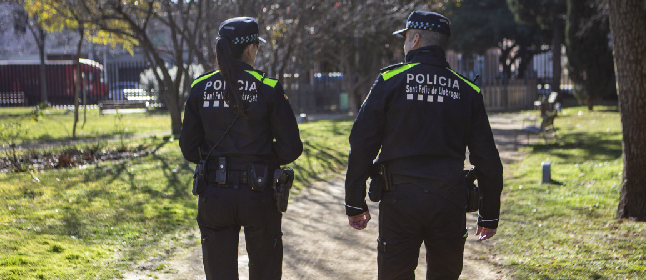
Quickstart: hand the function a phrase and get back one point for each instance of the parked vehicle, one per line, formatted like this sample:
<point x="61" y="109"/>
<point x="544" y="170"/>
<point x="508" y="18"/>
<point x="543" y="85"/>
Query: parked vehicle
<point x="20" y="82"/>
<point x="121" y="90"/>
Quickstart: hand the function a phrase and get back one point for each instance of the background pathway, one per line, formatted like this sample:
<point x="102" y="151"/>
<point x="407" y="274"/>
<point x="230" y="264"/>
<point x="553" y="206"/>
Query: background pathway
<point x="319" y="244"/>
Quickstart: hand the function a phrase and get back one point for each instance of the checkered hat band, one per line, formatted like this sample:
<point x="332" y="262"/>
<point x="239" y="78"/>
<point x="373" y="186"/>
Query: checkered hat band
<point x="245" y="39"/>
<point x="422" y="25"/>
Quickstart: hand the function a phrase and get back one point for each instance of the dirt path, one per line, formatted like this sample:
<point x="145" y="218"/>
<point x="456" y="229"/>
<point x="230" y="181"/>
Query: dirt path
<point x="318" y="243"/>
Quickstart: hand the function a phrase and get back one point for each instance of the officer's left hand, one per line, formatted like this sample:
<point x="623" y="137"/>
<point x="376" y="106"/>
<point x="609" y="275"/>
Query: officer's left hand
<point x="360" y="221"/>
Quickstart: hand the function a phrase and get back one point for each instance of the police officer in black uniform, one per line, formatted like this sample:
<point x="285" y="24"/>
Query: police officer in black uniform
<point x="241" y="120"/>
<point x="423" y="116"/>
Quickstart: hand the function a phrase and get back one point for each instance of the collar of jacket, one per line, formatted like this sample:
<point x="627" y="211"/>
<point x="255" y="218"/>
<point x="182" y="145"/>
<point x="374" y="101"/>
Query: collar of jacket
<point x="428" y="55"/>
<point x="239" y="65"/>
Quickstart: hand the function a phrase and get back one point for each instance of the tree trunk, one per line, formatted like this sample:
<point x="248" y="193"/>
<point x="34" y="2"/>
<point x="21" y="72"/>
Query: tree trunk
<point x="43" y="70"/>
<point x="502" y="59"/>
<point x="591" y="93"/>
<point x="84" y="86"/>
<point x="171" y="97"/>
<point x="557" y="42"/>
<point x="628" y="29"/>
<point x="78" y="79"/>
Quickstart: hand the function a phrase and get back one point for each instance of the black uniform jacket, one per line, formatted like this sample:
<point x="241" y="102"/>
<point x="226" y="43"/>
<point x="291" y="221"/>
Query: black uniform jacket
<point x="207" y="116"/>
<point x="422" y="116"/>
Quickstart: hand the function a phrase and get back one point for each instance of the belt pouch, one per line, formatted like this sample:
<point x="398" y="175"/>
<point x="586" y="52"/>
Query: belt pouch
<point x="473" y="192"/>
<point x="221" y="173"/>
<point x="199" y="177"/>
<point x="376" y="189"/>
<point x="382" y="181"/>
<point x="283" y="181"/>
<point x="258" y="176"/>
<point x="386" y="176"/>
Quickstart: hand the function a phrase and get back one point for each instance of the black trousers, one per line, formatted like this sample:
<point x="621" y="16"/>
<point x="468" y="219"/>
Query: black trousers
<point x="408" y="216"/>
<point x="221" y="213"/>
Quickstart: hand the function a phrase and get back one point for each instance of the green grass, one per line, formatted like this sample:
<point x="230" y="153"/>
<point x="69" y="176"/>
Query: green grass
<point x="58" y="124"/>
<point x="80" y="223"/>
<point x="96" y="221"/>
<point x="325" y="151"/>
<point x="567" y="230"/>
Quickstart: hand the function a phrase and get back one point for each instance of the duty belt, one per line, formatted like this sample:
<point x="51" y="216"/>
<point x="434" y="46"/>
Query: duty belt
<point x="237" y="173"/>
<point x="235" y="177"/>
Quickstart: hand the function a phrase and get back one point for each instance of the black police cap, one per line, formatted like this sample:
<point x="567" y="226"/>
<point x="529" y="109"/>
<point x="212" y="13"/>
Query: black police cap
<point x="240" y="30"/>
<point x="427" y="21"/>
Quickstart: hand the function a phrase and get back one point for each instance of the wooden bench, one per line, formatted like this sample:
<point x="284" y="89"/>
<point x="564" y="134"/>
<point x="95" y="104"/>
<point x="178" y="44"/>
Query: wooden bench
<point x="122" y="106"/>
<point x="547" y="125"/>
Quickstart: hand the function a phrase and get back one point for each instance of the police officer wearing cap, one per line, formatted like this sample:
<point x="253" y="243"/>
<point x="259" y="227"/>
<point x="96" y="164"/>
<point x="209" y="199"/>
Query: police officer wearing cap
<point x="423" y="116"/>
<point x="240" y="121"/>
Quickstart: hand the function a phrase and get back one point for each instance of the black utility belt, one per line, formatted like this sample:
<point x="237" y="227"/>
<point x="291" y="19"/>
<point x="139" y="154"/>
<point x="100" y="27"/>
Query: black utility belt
<point x="256" y="175"/>
<point x="235" y="177"/>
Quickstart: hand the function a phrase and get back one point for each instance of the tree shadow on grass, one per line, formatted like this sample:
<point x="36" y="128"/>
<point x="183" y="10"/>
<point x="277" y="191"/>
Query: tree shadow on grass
<point x="329" y="159"/>
<point x="597" y="146"/>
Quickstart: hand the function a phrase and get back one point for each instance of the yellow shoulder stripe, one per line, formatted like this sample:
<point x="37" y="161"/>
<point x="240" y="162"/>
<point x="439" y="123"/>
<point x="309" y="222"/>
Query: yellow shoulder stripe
<point x="204" y="77"/>
<point x="391" y="73"/>
<point x="467" y="81"/>
<point x="267" y="81"/>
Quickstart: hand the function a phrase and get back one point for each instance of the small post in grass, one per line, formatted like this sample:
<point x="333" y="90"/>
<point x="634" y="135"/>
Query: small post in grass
<point x="546" y="172"/>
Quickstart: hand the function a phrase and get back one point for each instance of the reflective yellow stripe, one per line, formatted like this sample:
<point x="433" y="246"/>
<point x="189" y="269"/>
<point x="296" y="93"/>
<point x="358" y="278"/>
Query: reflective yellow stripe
<point x="270" y="82"/>
<point x="267" y="81"/>
<point x="255" y="74"/>
<point x="390" y="73"/>
<point x="467" y="81"/>
<point x="203" y="77"/>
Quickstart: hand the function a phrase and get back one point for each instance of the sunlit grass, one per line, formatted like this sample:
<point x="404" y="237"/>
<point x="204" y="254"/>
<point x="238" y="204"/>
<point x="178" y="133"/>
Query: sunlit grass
<point x="566" y="229"/>
<point x="96" y="221"/>
<point x="58" y="124"/>
<point x="83" y="222"/>
<point x="325" y="150"/>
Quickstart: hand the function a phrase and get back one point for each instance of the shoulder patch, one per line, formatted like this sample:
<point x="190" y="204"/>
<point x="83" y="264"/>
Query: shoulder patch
<point x="204" y="76"/>
<point x="476" y="88"/>
<point x="396" y="69"/>
<point x="261" y="77"/>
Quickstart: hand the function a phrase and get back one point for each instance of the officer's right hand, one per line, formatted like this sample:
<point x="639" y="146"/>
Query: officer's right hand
<point x="485" y="233"/>
<point x="360" y="221"/>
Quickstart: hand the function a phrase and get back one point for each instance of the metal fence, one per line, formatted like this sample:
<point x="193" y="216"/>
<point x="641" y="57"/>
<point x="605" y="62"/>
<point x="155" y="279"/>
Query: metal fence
<point x="319" y="93"/>
<point x="322" y="93"/>
<point x="123" y="78"/>
<point x="516" y="93"/>
<point x="20" y="82"/>
<point x="513" y="95"/>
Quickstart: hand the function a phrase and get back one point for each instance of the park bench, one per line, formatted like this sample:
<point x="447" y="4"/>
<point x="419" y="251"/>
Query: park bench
<point x="122" y="106"/>
<point x="547" y="125"/>
<point x="546" y="103"/>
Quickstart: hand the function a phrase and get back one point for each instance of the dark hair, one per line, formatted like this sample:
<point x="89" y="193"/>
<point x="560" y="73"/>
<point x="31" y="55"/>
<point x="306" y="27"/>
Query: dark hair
<point x="225" y="54"/>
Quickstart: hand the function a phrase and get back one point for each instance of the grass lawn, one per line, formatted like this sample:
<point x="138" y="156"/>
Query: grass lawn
<point x="58" y="124"/>
<point x="92" y="222"/>
<point x="567" y="230"/>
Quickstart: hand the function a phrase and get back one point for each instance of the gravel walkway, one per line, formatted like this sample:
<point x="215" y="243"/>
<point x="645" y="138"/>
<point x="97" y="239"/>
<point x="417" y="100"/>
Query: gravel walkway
<point x="319" y="244"/>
